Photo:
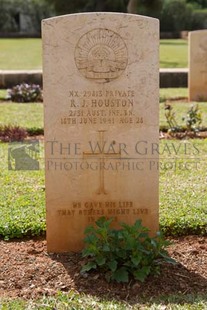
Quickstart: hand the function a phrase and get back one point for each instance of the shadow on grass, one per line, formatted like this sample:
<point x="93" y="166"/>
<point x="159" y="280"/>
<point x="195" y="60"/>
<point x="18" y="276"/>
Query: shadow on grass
<point x="165" y="42"/>
<point x="169" y="64"/>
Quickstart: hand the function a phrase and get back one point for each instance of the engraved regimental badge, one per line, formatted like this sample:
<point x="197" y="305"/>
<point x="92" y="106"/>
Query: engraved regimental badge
<point x="101" y="55"/>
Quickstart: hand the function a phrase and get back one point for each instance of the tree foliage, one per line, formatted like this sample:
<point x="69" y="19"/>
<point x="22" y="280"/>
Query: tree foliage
<point x="11" y="9"/>
<point x="133" y="6"/>
<point x="198" y="4"/>
<point x="176" y="15"/>
<point x="149" y="7"/>
<point x="71" y="6"/>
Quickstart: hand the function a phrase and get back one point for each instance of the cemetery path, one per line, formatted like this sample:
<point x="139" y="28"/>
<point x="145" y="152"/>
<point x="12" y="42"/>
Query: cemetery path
<point x="28" y="271"/>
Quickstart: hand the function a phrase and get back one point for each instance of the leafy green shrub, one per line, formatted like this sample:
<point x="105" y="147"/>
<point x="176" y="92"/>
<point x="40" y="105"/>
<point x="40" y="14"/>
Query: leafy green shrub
<point x="193" y="118"/>
<point x="10" y="133"/>
<point x="162" y="99"/>
<point x="125" y="252"/>
<point x="25" y="93"/>
<point x="35" y="131"/>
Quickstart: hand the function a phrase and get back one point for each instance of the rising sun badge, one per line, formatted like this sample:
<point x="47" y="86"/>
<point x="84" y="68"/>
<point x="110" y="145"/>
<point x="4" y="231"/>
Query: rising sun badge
<point x="101" y="55"/>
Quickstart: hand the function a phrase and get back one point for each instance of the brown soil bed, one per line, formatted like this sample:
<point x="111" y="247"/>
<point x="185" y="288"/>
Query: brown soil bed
<point x="28" y="271"/>
<point x="183" y="135"/>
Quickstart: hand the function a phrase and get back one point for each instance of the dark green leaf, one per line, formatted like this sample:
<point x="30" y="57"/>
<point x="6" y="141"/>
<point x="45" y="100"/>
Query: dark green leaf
<point x="103" y="222"/>
<point x="89" y="229"/>
<point x="143" y="235"/>
<point x="168" y="259"/>
<point x="112" y="265"/>
<point x="91" y="239"/>
<point x="136" y="259"/>
<point x="100" y="260"/>
<point x="154" y="243"/>
<point x="142" y="273"/>
<point x="88" y="267"/>
<point x="106" y="248"/>
<point x="120" y="275"/>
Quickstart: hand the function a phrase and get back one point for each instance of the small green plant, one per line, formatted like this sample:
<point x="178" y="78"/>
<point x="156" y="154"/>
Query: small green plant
<point x="170" y="117"/>
<point x="10" y="133"/>
<point x="193" y="118"/>
<point x="162" y="98"/>
<point x="25" y="93"/>
<point x="35" y="131"/>
<point x="121" y="254"/>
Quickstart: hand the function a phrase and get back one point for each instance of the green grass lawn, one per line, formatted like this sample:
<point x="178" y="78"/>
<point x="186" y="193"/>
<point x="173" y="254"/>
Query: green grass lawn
<point x="75" y="301"/>
<point x="3" y="94"/>
<point x="14" y="113"/>
<point x="168" y="93"/>
<point x="19" y="54"/>
<point x="183" y="186"/>
<point x="174" y="53"/>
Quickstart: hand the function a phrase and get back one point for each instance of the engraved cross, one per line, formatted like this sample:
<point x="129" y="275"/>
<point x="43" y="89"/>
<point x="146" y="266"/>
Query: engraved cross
<point x="101" y="156"/>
